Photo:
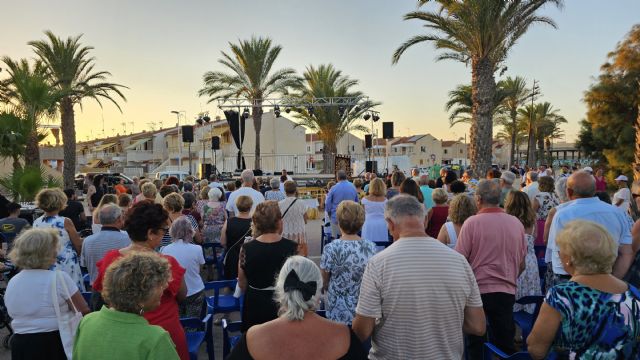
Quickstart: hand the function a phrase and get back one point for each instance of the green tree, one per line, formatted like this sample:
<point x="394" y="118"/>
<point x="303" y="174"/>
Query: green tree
<point x="515" y="94"/>
<point x="13" y="137"/>
<point x="70" y="67"/>
<point x="330" y="122"/>
<point x="541" y="121"/>
<point x="460" y="105"/>
<point x="252" y="77"/>
<point x="31" y="98"/>
<point x="479" y="33"/>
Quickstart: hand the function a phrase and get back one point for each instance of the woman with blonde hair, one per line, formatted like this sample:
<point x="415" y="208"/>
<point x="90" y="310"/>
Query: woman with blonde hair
<point x="260" y="261"/>
<point x="213" y="216"/>
<point x="132" y="285"/>
<point x="203" y="198"/>
<point x="96" y="226"/>
<point x="174" y="203"/>
<point x="594" y="315"/>
<point x="298" y="328"/>
<point x="234" y="231"/>
<point x="518" y="204"/>
<point x="51" y="201"/>
<point x="375" y="227"/>
<point x="461" y="208"/>
<point x="29" y="296"/>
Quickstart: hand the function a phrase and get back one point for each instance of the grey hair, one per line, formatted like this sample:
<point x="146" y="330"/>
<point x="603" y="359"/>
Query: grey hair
<point x="403" y="205"/>
<point x="532" y="175"/>
<point x="561" y="189"/>
<point x="109" y="214"/>
<point x="489" y="191"/>
<point x="181" y="229"/>
<point x="247" y="176"/>
<point x="214" y="194"/>
<point x="342" y="175"/>
<point x="424" y="179"/>
<point x="274" y="183"/>
<point x="292" y="304"/>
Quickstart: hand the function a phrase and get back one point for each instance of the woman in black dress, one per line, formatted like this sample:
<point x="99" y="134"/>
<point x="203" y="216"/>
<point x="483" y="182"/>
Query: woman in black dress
<point x="260" y="262"/>
<point x="234" y="231"/>
<point x="295" y="334"/>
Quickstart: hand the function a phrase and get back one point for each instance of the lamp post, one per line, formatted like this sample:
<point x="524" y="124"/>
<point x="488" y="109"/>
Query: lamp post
<point x="184" y="113"/>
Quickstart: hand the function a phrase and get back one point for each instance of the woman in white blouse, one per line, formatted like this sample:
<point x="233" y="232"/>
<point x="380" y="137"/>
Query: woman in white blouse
<point x="294" y="217"/>
<point x="460" y="209"/>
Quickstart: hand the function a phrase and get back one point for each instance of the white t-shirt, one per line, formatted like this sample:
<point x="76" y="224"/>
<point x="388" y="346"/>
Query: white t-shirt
<point x="531" y="190"/>
<point x="623" y="194"/>
<point x="256" y="196"/>
<point x="28" y="300"/>
<point x="282" y="183"/>
<point x="190" y="257"/>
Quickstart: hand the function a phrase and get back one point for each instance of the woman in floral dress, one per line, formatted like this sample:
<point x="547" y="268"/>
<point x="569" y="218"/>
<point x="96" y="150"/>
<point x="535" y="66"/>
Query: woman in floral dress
<point x="343" y="262"/>
<point x="213" y="216"/>
<point x="543" y="202"/>
<point x="517" y="204"/>
<point x="52" y="201"/>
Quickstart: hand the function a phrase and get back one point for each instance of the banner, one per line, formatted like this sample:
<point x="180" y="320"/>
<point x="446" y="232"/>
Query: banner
<point x="237" y="128"/>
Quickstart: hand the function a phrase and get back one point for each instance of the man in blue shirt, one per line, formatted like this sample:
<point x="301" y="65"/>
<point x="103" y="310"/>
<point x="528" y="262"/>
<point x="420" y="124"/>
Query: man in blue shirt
<point x="343" y="190"/>
<point x="581" y="188"/>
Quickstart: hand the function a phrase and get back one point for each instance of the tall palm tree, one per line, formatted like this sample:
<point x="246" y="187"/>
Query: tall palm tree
<point x="331" y="123"/>
<point x="14" y="133"/>
<point x="460" y="105"/>
<point x="70" y="68"/>
<point x="515" y="95"/>
<point x="30" y="97"/>
<point x="540" y="119"/>
<point x="479" y="33"/>
<point x="251" y="77"/>
<point x="511" y="135"/>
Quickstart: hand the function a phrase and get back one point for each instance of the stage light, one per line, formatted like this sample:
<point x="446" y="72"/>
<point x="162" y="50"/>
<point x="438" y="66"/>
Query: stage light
<point x="341" y="110"/>
<point x="245" y="113"/>
<point x="367" y="116"/>
<point x="287" y="110"/>
<point x="200" y="121"/>
<point x="206" y="119"/>
<point x="276" y="110"/>
<point x="356" y="109"/>
<point x="310" y="110"/>
<point x="375" y="117"/>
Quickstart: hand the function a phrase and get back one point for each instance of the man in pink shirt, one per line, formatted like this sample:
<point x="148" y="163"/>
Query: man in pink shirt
<point x="494" y="244"/>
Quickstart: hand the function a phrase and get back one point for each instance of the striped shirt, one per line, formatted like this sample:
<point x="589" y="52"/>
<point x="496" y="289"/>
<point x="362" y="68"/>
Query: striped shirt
<point x="94" y="247"/>
<point x="418" y="289"/>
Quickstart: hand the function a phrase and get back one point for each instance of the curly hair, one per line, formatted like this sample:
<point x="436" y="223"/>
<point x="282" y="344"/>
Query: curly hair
<point x="457" y="187"/>
<point x="590" y="246"/>
<point x="35" y="249"/>
<point x="144" y="216"/>
<point x="130" y="281"/>
<point x="518" y="204"/>
<point x="461" y="208"/>
<point x="165" y="190"/>
<point x="546" y="184"/>
<point x="266" y="216"/>
<point x="148" y="190"/>
<point x="173" y="202"/>
<point x="350" y="216"/>
<point x="50" y="200"/>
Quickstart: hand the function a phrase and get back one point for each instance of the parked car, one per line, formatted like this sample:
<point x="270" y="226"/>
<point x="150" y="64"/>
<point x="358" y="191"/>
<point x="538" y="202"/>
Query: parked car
<point x="111" y="179"/>
<point x="181" y="175"/>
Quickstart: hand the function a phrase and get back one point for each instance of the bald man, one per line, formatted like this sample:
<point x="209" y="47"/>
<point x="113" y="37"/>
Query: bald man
<point x="581" y="189"/>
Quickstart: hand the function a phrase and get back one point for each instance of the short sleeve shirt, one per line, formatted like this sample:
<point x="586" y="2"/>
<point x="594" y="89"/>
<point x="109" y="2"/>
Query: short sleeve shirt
<point x="417" y="289"/>
<point x="623" y="194"/>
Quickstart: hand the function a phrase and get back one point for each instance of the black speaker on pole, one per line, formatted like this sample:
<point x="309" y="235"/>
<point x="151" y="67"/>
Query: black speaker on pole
<point x="207" y="169"/>
<point x="387" y="130"/>
<point x="187" y="133"/>
<point x="215" y="143"/>
<point x="368" y="141"/>
<point x="371" y="166"/>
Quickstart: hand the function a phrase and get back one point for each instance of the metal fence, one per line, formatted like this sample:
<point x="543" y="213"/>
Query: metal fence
<point x="296" y="163"/>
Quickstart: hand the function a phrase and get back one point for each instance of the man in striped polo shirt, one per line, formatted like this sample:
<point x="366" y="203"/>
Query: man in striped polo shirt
<point x="417" y="296"/>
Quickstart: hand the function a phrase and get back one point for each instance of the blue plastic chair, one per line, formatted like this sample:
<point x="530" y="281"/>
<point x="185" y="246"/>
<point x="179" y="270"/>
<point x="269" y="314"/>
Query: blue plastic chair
<point x="87" y="298"/>
<point x="222" y="304"/>
<point x="87" y="281"/>
<point x="214" y="259"/>
<point x="325" y="237"/>
<point x="523" y="319"/>
<point x="322" y="313"/>
<point x="492" y="352"/>
<point x="229" y="341"/>
<point x="203" y="334"/>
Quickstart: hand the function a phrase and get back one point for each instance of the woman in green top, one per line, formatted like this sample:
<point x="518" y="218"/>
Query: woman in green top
<point x="132" y="285"/>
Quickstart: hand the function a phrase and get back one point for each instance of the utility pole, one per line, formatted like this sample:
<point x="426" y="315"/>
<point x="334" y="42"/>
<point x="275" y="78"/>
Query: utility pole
<point x="531" y="161"/>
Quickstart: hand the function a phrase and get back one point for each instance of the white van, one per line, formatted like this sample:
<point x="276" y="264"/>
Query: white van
<point x="181" y="175"/>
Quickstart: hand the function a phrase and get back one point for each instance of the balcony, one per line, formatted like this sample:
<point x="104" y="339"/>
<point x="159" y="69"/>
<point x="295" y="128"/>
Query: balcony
<point x="140" y="155"/>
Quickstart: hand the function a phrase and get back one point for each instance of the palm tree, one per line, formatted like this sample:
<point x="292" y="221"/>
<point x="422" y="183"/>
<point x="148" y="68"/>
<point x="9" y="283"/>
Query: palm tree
<point x="461" y="105"/>
<point x="330" y="122"/>
<point x="31" y="98"/>
<point x="13" y="137"/>
<point x="515" y="95"/>
<point x="509" y="134"/>
<point x="540" y="119"/>
<point x="479" y="33"/>
<point x="251" y="77"/>
<point x="70" y="67"/>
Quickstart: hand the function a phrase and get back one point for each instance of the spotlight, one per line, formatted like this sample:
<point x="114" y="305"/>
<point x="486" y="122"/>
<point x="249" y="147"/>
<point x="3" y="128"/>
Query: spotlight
<point x="276" y="110"/>
<point x="245" y="113"/>
<point x="206" y="119"/>
<point x="287" y="110"/>
<point x="341" y="110"/>
<point x="356" y="109"/>
<point x="199" y="121"/>
<point x="367" y="116"/>
<point x="375" y="117"/>
<point x="310" y="110"/>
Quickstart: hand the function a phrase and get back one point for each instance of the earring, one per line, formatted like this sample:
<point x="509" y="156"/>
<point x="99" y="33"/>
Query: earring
<point x="141" y="310"/>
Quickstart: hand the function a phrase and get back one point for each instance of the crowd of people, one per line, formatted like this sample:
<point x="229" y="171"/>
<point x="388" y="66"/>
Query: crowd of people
<point x="415" y="267"/>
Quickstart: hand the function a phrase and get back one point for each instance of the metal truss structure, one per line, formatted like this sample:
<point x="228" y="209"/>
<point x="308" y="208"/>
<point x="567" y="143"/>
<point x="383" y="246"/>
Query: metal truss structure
<point x="286" y="102"/>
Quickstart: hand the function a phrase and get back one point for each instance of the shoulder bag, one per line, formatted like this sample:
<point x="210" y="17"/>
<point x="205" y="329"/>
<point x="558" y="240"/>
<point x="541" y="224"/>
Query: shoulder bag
<point x="69" y="319"/>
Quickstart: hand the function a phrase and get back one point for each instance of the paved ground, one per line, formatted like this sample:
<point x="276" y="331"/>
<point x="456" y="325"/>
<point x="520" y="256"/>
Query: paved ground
<point x="313" y="236"/>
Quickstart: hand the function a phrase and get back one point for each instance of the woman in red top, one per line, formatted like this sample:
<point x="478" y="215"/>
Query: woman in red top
<point x="437" y="215"/>
<point x="601" y="183"/>
<point x="146" y="224"/>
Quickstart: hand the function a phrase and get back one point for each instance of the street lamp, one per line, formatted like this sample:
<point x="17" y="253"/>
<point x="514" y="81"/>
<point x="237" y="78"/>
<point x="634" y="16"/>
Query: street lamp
<point x="184" y="113"/>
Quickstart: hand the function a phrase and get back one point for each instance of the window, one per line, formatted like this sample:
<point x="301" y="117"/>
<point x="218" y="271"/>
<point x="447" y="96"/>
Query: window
<point x="461" y="151"/>
<point x="308" y="148"/>
<point x="421" y="162"/>
<point x="446" y="151"/>
<point x="353" y="148"/>
<point x="423" y="149"/>
<point x="395" y="149"/>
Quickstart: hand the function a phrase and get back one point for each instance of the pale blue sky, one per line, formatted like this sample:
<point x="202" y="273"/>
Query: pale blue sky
<point x="160" y="50"/>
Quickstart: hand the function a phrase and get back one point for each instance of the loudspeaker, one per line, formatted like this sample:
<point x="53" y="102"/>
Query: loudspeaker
<point x="215" y="143"/>
<point x="372" y="166"/>
<point x="387" y="130"/>
<point x="257" y="172"/>
<point x="187" y="133"/>
<point x="207" y="169"/>
<point x="368" y="141"/>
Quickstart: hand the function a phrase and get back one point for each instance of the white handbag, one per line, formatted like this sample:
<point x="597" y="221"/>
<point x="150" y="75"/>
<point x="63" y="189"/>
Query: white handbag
<point x="68" y="320"/>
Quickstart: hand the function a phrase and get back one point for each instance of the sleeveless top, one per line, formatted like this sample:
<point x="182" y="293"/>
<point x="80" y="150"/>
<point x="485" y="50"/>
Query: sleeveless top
<point x="451" y="231"/>
<point x="439" y="216"/>
<point x="236" y="231"/>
